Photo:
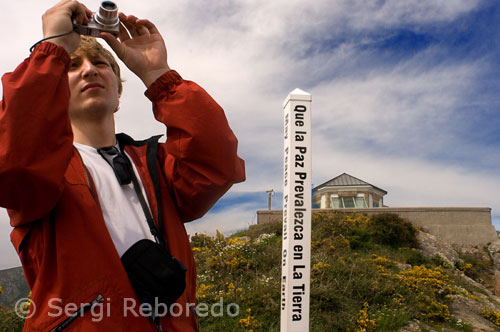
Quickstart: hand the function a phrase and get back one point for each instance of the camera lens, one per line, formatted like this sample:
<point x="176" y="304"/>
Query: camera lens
<point x="107" y="14"/>
<point x="108" y="5"/>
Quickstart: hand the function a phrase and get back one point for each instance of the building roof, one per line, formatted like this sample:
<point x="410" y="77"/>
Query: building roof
<point x="346" y="180"/>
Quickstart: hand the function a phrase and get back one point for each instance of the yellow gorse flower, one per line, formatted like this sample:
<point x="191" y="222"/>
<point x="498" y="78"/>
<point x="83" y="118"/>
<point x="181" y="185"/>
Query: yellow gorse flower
<point x="319" y="267"/>
<point x="250" y="322"/>
<point x="362" y="322"/>
<point x="492" y="316"/>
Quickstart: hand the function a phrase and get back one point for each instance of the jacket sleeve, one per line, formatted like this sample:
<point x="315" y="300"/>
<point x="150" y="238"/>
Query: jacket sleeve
<point x="199" y="158"/>
<point x="35" y="134"/>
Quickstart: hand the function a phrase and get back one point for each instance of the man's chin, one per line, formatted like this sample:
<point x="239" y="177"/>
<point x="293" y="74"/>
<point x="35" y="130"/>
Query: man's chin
<point x="94" y="110"/>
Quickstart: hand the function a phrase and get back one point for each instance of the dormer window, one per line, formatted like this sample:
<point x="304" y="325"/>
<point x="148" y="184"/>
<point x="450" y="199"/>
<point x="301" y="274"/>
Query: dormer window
<point x="347" y="191"/>
<point x="347" y="202"/>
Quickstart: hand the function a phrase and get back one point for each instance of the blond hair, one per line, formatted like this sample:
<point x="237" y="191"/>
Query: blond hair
<point x="90" y="48"/>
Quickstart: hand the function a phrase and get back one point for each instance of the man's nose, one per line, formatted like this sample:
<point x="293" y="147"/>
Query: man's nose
<point x="88" y="68"/>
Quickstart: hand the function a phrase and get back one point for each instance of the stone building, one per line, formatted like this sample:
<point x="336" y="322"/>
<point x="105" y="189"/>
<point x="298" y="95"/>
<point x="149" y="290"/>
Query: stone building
<point x="462" y="226"/>
<point x="347" y="191"/>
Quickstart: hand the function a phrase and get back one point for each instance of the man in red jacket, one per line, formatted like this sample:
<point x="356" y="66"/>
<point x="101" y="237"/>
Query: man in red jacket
<point x="74" y="207"/>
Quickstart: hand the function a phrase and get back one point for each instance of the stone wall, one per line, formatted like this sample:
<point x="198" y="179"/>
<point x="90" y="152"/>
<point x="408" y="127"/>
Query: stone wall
<point x="455" y="225"/>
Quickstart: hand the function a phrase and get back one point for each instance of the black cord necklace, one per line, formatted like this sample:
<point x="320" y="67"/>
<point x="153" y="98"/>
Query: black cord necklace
<point x="44" y="39"/>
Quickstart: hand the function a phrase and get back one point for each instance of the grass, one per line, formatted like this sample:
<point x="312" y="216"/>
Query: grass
<point x="9" y="321"/>
<point x="367" y="275"/>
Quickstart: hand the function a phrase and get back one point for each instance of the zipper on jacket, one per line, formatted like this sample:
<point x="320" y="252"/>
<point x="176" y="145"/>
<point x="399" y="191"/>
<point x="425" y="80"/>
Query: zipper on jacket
<point x="84" y="308"/>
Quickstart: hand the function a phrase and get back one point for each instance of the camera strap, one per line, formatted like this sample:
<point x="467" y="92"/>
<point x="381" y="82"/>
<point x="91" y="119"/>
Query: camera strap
<point x="47" y="38"/>
<point x="157" y="234"/>
<point x="147" y="212"/>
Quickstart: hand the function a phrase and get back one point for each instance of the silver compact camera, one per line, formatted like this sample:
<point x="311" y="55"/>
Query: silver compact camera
<point x="104" y="20"/>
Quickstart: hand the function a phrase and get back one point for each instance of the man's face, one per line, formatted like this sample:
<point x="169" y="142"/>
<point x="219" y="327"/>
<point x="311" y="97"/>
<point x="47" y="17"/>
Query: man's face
<point x="94" y="88"/>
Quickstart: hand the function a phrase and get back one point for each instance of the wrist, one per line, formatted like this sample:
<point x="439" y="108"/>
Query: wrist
<point x="67" y="40"/>
<point x="62" y="44"/>
<point x="150" y="77"/>
<point x="167" y="83"/>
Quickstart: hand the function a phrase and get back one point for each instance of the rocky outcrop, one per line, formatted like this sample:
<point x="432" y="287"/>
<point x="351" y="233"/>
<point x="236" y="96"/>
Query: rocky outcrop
<point x="431" y="246"/>
<point x="494" y="250"/>
<point x="469" y="310"/>
<point x="468" y="307"/>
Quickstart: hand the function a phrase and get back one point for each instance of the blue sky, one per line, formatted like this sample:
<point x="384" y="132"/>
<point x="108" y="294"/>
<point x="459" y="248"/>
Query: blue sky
<point x="405" y="93"/>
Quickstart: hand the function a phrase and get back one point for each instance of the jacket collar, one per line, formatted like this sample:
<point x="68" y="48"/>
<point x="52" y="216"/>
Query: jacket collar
<point x="124" y="139"/>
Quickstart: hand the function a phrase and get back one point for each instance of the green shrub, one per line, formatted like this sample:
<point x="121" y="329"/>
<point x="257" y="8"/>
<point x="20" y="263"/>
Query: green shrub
<point x="357" y="281"/>
<point x="255" y="230"/>
<point x="9" y="321"/>
<point x="360" y="238"/>
<point x="392" y="319"/>
<point x="392" y="230"/>
<point x="415" y="257"/>
<point x="475" y="266"/>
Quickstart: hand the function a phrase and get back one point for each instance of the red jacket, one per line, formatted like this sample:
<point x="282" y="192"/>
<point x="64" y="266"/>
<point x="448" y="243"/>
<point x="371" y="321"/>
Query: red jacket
<point x="59" y="232"/>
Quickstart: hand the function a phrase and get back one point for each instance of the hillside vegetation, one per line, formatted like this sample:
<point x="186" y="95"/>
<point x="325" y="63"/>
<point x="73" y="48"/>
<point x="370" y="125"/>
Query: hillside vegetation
<point x="367" y="274"/>
<point x="9" y="321"/>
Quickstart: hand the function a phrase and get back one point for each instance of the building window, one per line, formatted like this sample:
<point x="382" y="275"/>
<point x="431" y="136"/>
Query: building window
<point x="348" y="202"/>
<point x="335" y="202"/>
<point x="361" y="202"/>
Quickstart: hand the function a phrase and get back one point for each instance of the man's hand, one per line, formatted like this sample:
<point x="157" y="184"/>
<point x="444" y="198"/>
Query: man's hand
<point x="59" y="19"/>
<point x="141" y="47"/>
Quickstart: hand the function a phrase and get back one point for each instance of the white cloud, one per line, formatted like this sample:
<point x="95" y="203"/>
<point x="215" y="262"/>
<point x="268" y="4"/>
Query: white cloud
<point x="250" y="54"/>
<point x="393" y="12"/>
<point x="412" y="181"/>
<point x="230" y="220"/>
<point x="386" y="104"/>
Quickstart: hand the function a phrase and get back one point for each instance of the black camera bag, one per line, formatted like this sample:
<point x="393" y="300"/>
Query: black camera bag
<point x="154" y="273"/>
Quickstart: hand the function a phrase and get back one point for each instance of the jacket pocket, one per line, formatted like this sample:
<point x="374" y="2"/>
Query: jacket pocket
<point x="78" y="313"/>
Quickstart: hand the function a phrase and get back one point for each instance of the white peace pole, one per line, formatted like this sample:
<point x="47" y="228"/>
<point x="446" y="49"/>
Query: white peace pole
<point x="296" y="254"/>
